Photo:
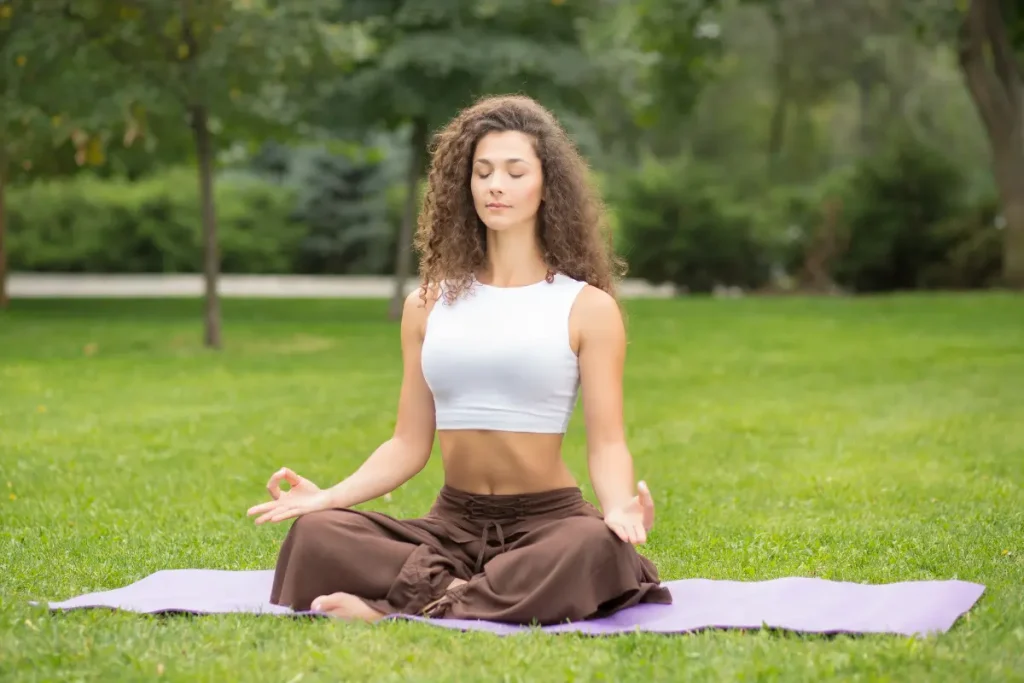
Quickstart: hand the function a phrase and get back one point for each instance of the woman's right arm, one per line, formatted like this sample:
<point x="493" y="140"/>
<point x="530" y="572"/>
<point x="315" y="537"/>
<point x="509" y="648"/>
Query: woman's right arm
<point x="406" y="453"/>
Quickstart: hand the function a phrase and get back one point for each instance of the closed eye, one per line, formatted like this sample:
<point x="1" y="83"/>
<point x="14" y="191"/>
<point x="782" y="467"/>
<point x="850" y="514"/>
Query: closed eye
<point x="488" y="175"/>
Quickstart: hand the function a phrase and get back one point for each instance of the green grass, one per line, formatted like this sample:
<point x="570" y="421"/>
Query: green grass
<point x="877" y="439"/>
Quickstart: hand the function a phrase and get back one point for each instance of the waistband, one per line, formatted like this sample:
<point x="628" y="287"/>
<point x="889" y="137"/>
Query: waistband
<point x="508" y="507"/>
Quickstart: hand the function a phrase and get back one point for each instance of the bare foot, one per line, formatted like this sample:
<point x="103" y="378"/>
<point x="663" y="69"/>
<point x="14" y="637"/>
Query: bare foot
<point x="345" y="606"/>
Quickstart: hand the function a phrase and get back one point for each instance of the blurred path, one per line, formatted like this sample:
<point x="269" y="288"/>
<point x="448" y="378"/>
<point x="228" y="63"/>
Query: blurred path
<point x="45" y="285"/>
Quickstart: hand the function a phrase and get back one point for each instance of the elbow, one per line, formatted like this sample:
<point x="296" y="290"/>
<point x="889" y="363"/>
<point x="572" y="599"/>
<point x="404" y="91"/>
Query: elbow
<point x="609" y="451"/>
<point x="415" y="452"/>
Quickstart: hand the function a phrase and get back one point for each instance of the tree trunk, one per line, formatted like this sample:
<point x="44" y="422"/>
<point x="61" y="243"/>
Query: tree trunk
<point x="993" y="78"/>
<point x="777" y="127"/>
<point x="403" y="260"/>
<point x="3" y="246"/>
<point x="863" y="77"/>
<point x="3" y="233"/>
<point x="777" y="124"/>
<point x="1009" y="165"/>
<point x="211" y="254"/>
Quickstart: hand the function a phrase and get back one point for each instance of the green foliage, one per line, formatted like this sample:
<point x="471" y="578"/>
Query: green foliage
<point x="53" y="119"/>
<point x="425" y="59"/>
<point x="343" y="203"/>
<point x="974" y="258"/>
<point x="678" y="225"/>
<point x="312" y="210"/>
<point x="899" y="220"/>
<point x="769" y="93"/>
<point x="349" y="196"/>
<point x="90" y="225"/>
<point x="246" y="63"/>
<point x="895" y="203"/>
<point x="802" y="223"/>
<point x="680" y="40"/>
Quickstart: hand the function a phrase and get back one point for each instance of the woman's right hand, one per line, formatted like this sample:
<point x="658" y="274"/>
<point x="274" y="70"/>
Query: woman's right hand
<point x="301" y="498"/>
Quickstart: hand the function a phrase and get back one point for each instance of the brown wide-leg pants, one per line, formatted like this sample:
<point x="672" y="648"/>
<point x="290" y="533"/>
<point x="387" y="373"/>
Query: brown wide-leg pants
<point x="538" y="558"/>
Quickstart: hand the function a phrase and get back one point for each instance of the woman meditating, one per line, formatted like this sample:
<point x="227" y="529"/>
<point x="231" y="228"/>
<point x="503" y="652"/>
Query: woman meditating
<point x="515" y="319"/>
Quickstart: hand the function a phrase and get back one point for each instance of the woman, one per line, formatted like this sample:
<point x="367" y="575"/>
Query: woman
<point x="516" y="315"/>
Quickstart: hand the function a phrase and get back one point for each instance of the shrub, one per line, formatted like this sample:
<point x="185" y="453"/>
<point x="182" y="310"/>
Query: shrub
<point x="803" y="225"/>
<point x="676" y="224"/>
<point x="344" y="205"/>
<point x="349" y="197"/>
<point x="86" y="224"/>
<point x="893" y="213"/>
<point x="974" y="258"/>
<point x="896" y="221"/>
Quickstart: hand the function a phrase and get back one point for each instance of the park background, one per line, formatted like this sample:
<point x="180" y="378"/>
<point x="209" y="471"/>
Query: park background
<point x="833" y="189"/>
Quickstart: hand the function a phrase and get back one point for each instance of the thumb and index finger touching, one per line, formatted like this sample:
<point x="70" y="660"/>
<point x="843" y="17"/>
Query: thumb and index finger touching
<point x="283" y="474"/>
<point x="274" y="489"/>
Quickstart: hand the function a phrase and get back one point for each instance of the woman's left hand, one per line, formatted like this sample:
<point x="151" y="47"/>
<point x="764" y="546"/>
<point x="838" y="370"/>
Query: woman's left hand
<point x="632" y="521"/>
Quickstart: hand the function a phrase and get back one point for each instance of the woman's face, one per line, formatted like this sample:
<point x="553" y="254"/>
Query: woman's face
<point x="507" y="181"/>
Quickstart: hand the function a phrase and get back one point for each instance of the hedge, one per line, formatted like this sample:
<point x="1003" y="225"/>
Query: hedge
<point x="151" y="226"/>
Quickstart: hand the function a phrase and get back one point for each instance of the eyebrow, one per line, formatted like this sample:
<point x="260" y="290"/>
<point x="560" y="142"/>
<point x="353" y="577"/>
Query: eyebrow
<point x="509" y="161"/>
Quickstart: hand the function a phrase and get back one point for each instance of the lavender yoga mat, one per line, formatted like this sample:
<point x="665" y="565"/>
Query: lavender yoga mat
<point x="796" y="604"/>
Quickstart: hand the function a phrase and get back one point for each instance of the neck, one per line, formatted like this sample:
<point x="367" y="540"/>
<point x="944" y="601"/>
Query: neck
<point x="514" y="257"/>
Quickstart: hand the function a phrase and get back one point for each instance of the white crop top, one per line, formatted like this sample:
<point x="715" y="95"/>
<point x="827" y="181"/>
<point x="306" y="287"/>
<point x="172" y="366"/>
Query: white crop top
<point x="499" y="358"/>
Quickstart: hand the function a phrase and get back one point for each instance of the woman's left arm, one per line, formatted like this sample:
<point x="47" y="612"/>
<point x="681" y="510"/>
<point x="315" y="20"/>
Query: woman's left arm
<point x="602" y="358"/>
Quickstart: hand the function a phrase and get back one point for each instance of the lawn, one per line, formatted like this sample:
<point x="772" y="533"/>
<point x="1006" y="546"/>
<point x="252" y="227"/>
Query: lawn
<point x="875" y="439"/>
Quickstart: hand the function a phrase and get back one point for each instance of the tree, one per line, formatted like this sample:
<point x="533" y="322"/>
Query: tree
<point x="990" y="36"/>
<point x="343" y="201"/>
<point x="51" y="120"/>
<point x="428" y="58"/>
<point x="666" y="51"/>
<point x="820" y="45"/>
<point x="229" y="70"/>
<point x="818" y="48"/>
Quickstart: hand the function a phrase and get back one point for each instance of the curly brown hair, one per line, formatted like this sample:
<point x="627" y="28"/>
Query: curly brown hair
<point x="572" y="226"/>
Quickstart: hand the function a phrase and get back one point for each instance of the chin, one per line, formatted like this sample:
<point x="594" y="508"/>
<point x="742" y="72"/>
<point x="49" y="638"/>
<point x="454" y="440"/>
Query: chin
<point x="504" y="223"/>
<point x="500" y="226"/>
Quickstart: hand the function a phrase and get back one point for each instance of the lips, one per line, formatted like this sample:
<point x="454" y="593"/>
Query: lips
<point x="494" y="205"/>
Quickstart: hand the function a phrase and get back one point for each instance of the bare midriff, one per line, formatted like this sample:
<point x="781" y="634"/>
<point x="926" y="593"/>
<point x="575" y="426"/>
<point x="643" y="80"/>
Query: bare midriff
<point x="502" y="463"/>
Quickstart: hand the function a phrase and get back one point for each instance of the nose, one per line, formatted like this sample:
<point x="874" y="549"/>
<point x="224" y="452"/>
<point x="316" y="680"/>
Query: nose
<point x="494" y="183"/>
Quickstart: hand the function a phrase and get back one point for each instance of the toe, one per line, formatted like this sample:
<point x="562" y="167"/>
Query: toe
<point x="345" y="606"/>
<point x="327" y="603"/>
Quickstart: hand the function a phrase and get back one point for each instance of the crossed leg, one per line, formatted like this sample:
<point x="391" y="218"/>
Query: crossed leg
<point x="358" y="565"/>
<point x="567" y="570"/>
<point x="364" y="566"/>
<point x="354" y="608"/>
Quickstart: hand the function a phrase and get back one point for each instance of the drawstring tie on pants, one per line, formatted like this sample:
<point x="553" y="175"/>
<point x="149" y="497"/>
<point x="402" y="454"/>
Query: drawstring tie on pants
<point x="496" y="512"/>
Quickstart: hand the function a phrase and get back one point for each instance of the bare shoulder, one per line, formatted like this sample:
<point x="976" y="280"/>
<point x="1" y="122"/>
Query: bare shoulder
<point x="415" y="310"/>
<point x="595" y="316"/>
<point x="595" y="301"/>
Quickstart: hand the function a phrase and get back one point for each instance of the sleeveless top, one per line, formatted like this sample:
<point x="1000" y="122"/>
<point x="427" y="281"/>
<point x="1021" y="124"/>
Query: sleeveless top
<point x="499" y="358"/>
